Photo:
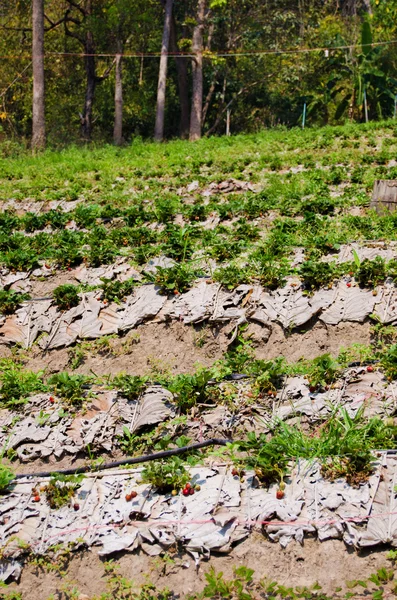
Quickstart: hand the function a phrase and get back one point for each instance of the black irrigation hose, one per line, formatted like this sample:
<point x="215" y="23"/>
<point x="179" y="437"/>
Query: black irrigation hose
<point x="130" y="461"/>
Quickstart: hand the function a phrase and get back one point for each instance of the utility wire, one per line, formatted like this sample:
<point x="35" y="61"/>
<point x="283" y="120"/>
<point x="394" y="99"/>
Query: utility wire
<point x="221" y="54"/>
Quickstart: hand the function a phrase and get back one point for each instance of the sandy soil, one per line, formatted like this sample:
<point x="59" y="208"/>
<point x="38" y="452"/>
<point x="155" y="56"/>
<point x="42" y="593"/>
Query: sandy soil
<point x="179" y="348"/>
<point x="295" y="566"/>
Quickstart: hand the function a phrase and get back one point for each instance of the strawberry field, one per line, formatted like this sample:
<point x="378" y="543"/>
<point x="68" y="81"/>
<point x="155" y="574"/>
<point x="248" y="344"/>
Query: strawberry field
<point x="197" y="350"/>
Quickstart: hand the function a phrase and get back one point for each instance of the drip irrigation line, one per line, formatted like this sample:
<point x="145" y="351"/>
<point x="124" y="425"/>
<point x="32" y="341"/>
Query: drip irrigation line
<point x="131" y="461"/>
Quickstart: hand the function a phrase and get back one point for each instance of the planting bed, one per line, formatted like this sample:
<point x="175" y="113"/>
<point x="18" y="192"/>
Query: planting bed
<point x="237" y="296"/>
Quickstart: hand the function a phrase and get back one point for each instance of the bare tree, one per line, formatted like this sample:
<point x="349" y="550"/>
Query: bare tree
<point x="118" y="102"/>
<point x="197" y="89"/>
<point x="85" y="36"/>
<point x="183" y="93"/>
<point x="38" y="133"/>
<point x="162" y="83"/>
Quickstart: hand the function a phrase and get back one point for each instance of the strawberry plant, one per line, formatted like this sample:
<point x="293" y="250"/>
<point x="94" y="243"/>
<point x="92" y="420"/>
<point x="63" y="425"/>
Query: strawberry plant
<point x="6" y="477"/>
<point x="61" y="489"/>
<point x="371" y="273"/>
<point x="166" y="475"/>
<point x="316" y="274"/>
<point x="388" y="361"/>
<point x="322" y="371"/>
<point x="190" y="389"/>
<point x="66" y="296"/>
<point x="131" y="386"/>
<point x="17" y="385"/>
<point x="114" y="290"/>
<point x="231" y="276"/>
<point x="10" y="300"/>
<point x="71" y="388"/>
<point x="176" y="279"/>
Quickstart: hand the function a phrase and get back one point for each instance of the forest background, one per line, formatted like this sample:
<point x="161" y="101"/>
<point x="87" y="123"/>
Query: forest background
<point x="122" y="69"/>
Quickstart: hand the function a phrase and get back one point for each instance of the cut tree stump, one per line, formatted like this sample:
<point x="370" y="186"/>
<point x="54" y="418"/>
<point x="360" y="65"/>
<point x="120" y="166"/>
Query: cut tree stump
<point x="384" y="196"/>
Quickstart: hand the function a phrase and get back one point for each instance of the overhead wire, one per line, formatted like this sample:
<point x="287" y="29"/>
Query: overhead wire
<point x="219" y="54"/>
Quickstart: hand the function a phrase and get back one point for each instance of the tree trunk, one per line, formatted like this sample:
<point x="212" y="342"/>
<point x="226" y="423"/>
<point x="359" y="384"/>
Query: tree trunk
<point x="197" y="91"/>
<point x="38" y="125"/>
<point x="162" y="83"/>
<point x="90" y="69"/>
<point x="181" y="69"/>
<point x="118" y="104"/>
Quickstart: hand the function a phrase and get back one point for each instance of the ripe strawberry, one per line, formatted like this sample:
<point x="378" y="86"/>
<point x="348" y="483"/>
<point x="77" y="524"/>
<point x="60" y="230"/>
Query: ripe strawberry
<point x="76" y="506"/>
<point x="133" y="494"/>
<point x="312" y="388"/>
<point x="234" y="472"/>
<point x="52" y="399"/>
<point x="349" y="284"/>
<point x="185" y="492"/>
<point x="128" y="497"/>
<point x="36" y="498"/>
<point x="176" y="292"/>
<point x="188" y="486"/>
<point x="280" y="494"/>
<point x="370" y="368"/>
<point x="191" y="492"/>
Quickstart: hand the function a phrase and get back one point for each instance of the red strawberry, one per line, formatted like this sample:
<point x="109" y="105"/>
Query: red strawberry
<point x="191" y="492"/>
<point x="370" y="369"/>
<point x="280" y="494"/>
<point x="52" y="399"/>
<point x="348" y="284"/>
<point x="128" y="497"/>
<point x="185" y="492"/>
<point x="188" y="486"/>
<point x="76" y="506"/>
<point x="234" y="472"/>
<point x="134" y="494"/>
<point x="36" y="498"/>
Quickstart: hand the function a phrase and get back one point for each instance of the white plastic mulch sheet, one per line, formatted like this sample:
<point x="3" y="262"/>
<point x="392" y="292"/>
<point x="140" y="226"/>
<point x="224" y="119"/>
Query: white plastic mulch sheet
<point x="206" y="301"/>
<point x="43" y="429"/>
<point x="224" y="511"/>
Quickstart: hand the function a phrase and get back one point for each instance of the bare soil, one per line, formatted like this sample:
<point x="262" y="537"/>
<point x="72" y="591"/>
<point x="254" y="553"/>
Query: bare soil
<point x="178" y="348"/>
<point x="294" y="566"/>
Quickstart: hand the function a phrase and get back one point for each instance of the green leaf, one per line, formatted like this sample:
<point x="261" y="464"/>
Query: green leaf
<point x="366" y="38"/>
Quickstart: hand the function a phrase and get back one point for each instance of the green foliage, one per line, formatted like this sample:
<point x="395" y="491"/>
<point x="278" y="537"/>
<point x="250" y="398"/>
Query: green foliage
<point x="322" y="371"/>
<point x="6" y="477"/>
<point x="388" y="361"/>
<point x="10" y="300"/>
<point x="344" y="446"/>
<point x="371" y="273"/>
<point x="66" y="296"/>
<point x="61" y="488"/>
<point x="131" y="386"/>
<point x="190" y="389"/>
<point x="114" y="290"/>
<point x="17" y="385"/>
<point x="239" y="587"/>
<point x="231" y="276"/>
<point x="166" y="475"/>
<point x="176" y="279"/>
<point x="71" y="388"/>
<point x="316" y="274"/>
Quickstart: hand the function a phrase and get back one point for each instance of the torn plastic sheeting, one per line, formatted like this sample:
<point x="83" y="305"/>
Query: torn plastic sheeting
<point x="382" y="527"/>
<point x="194" y="306"/>
<point x="10" y="570"/>
<point x="144" y="304"/>
<point x="351" y="304"/>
